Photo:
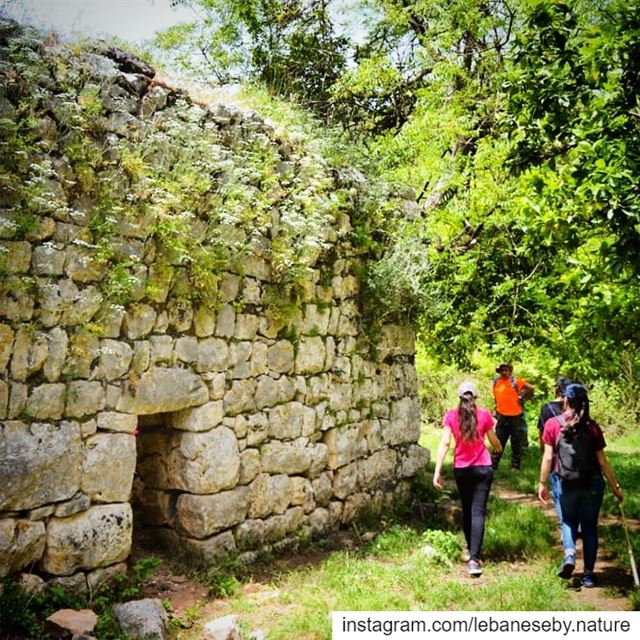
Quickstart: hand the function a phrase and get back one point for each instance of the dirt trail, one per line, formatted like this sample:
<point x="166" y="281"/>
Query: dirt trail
<point x="190" y="599"/>
<point x="612" y="580"/>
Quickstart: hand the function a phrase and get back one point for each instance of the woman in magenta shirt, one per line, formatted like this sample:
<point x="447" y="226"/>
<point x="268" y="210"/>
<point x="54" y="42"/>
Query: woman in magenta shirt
<point x="472" y="467"/>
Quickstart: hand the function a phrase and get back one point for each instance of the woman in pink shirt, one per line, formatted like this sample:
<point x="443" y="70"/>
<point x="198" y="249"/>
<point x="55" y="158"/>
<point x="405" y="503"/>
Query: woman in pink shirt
<point x="472" y="467"/>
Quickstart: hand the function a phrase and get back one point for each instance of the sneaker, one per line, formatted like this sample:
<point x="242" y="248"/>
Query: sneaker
<point x="588" y="580"/>
<point x="466" y="556"/>
<point x="475" y="568"/>
<point x="568" y="565"/>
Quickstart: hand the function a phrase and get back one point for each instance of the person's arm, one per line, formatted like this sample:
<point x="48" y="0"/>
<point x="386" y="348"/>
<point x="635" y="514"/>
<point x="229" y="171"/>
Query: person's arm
<point x="607" y="472"/>
<point x="493" y="440"/>
<point x="545" y="470"/>
<point x="443" y="447"/>
<point x="526" y="391"/>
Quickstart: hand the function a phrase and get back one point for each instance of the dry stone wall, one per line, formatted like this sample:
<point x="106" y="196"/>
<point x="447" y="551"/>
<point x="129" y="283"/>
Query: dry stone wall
<point x="225" y="427"/>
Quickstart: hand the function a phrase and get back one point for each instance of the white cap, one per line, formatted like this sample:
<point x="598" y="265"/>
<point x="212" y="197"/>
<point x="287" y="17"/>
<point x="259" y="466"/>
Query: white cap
<point x="467" y="387"/>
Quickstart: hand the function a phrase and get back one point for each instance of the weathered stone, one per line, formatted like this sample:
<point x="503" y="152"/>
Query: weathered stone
<point x="302" y="494"/>
<point x="251" y="291"/>
<point x="200" y="418"/>
<point x="344" y="445"/>
<point x="180" y="318"/>
<point x="212" y="548"/>
<point x="81" y="265"/>
<point x="229" y="287"/>
<point x="115" y="358"/>
<point x="378" y="469"/>
<point x="250" y="534"/>
<point x="17" y="256"/>
<point x="6" y="344"/>
<point x="277" y="527"/>
<point x="84" y="398"/>
<point x="355" y="506"/>
<point x="316" y="320"/>
<point x="79" y="502"/>
<point x="322" y="488"/>
<point x="17" y="399"/>
<point x="85" y="303"/>
<point x="143" y="619"/>
<point x="340" y="396"/>
<point x="226" y="628"/>
<point x="319" y="458"/>
<point x="21" y="544"/>
<point x="93" y="538"/>
<point x="187" y="349"/>
<point x="195" y="462"/>
<point x="47" y="260"/>
<point x="291" y="420"/>
<point x="31" y="583"/>
<point x="39" y="463"/>
<point x="414" y="461"/>
<point x="141" y="356"/>
<point x="161" y="390"/>
<point x="100" y="577"/>
<point x="270" y="494"/>
<point x="404" y="425"/>
<point x="213" y="355"/>
<point x="139" y="321"/>
<point x="154" y="100"/>
<point x="345" y="480"/>
<point x="155" y="508"/>
<point x="257" y="429"/>
<point x="204" y="322"/>
<point x="259" y="357"/>
<point x="102" y="480"/>
<point x="18" y="308"/>
<point x="114" y="421"/>
<point x="83" y="349"/>
<point x="249" y="465"/>
<point x="57" y="353"/>
<point x="280" y="357"/>
<point x="201" y="516"/>
<point x="319" y="521"/>
<point x="46" y="402"/>
<point x="246" y="326"/>
<point x="311" y="355"/>
<point x="4" y="399"/>
<point x="75" y="584"/>
<point x="29" y="354"/>
<point x="77" y="623"/>
<point x="279" y="457"/>
<point x="240" y="354"/>
<point x="240" y="398"/>
<point x="395" y="340"/>
<point x="226" y="322"/>
<point x="161" y="350"/>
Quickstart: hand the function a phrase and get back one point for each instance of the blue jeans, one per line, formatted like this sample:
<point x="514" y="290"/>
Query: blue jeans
<point x="568" y="542"/>
<point x="580" y="509"/>
<point x="474" y="484"/>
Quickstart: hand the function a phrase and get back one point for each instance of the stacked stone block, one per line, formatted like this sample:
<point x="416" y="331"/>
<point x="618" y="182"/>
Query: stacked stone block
<point x="242" y="431"/>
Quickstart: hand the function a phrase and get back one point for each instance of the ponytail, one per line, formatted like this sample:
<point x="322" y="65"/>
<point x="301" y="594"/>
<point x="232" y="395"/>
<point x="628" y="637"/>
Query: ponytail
<point x="467" y="417"/>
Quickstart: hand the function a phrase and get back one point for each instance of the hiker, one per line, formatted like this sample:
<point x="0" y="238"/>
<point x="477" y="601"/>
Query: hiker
<point x="574" y="446"/>
<point x="472" y="468"/>
<point x="553" y="408"/>
<point x="509" y="393"/>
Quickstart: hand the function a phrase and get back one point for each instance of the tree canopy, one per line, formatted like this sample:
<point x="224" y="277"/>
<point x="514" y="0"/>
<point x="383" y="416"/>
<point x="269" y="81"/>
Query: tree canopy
<point x="517" y="125"/>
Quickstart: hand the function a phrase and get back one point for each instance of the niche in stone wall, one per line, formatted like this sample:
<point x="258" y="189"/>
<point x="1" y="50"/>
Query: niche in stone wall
<point x="182" y="454"/>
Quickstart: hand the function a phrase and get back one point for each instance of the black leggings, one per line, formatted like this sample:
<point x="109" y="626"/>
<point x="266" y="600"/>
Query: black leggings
<point x="474" y="484"/>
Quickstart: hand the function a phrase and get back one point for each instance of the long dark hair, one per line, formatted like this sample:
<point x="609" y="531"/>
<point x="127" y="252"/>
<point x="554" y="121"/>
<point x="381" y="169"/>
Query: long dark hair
<point x="578" y="400"/>
<point x="467" y="417"/>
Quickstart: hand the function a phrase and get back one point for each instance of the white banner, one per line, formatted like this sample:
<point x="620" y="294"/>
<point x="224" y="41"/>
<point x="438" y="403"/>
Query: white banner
<point x="484" y="625"/>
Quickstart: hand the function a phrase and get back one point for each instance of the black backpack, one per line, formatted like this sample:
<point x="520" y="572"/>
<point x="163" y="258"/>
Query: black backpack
<point x="576" y="455"/>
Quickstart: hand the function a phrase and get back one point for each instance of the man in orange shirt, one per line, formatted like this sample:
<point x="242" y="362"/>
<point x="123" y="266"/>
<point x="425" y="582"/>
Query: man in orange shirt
<point x="509" y="392"/>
